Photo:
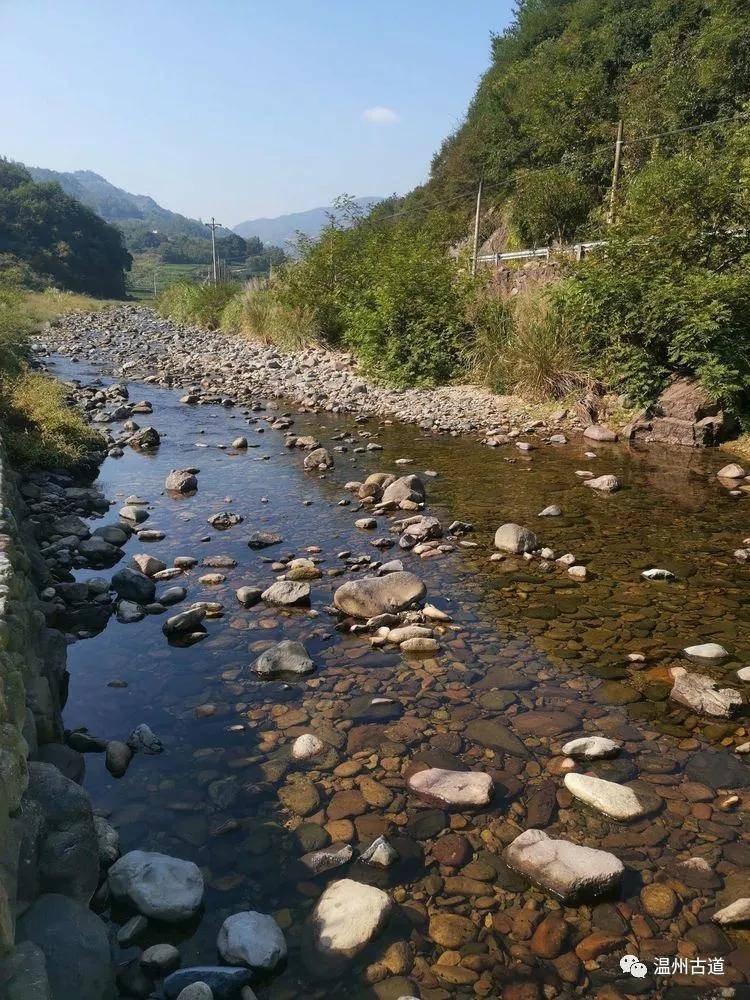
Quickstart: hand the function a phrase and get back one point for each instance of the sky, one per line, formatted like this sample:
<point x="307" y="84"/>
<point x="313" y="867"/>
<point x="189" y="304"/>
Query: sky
<point x="240" y="109"/>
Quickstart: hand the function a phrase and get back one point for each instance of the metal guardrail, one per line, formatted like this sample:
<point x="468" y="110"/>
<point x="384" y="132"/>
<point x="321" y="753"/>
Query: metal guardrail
<point x="576" y="250"/>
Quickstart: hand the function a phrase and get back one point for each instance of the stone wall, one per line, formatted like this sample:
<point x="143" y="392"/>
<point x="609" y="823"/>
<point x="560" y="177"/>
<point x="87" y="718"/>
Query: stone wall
<point x="32" y="683"/>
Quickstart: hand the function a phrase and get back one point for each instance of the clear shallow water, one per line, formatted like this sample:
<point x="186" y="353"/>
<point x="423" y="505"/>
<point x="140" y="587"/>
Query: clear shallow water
<point x="567" y="643"/>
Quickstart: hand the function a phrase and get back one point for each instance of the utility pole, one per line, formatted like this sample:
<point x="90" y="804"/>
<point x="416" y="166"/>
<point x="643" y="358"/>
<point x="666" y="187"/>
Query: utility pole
<point x="475" y="248"/>
<point x="213" y="225"/>
<point x="615" y="176"/>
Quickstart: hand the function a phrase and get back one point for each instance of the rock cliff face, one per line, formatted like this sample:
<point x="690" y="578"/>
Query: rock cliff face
<point x="48" y="839"/>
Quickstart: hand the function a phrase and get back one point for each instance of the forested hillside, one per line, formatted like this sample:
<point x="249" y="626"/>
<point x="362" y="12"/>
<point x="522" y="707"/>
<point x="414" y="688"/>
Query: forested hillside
<point x="49" y="238"/>
<point x="543" y="121"/>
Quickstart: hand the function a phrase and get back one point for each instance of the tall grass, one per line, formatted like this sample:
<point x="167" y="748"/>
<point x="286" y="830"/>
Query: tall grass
<point x="523" y="345"/>
<point x="196" y="305"/>
<point x="37" y="426"/>
<point x="257" y="314"/>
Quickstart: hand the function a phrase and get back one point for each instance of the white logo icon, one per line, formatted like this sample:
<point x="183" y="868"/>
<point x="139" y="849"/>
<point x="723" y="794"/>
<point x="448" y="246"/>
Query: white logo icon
<point x="632" y="964"/>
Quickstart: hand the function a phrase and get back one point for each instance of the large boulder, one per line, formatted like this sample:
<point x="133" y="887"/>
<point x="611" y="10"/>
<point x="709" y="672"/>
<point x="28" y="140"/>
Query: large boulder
<point x="319" y="459"/>
<point x="75" y="946"/>
<point x="379" y="595"/>
<point x="684" y="415"/>
<point x="157" y="885"/>
<point x="409" y="488"/>
<point x="516" y="539"/>
<point x="252" y="939"/>
<point x="59" y="849"/>
<point x="286" y="659"/>
<point x="130" y="585"/>
<point x="569" y="872"/>
<point x="181" y="481"/>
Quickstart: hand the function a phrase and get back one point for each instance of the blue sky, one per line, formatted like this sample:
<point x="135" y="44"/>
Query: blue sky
<point x="241" y="109"/>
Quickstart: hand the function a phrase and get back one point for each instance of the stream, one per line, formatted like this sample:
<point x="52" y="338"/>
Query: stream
<point x="547" y="656"/>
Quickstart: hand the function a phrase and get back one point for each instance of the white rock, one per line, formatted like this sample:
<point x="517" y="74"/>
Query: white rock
<point x="452" y="788"/>
<point x="744" y="673"/>
<point x="157" y="885"/>
<point x="252" y="939"/>
<point x="731" y="471"/>
<point x="737" y="912"/>
<point x="608" y="797"/>
<point x="552" y="511"/>
<point x="565" y="870"/>
<point x="516" y="539"/>
<point x="699" y="693"/>
<point x="591" y="748"/>
<point x="657" y="574"/>
<point x="605" y="484"/>
<point x="706" y="651"/>
<point x="306" y="746"/>
<point x="347" y="917"/>
<point x="380" y="853"/>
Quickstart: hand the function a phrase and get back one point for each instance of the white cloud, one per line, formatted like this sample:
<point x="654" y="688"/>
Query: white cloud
<point x="381" y="116"/>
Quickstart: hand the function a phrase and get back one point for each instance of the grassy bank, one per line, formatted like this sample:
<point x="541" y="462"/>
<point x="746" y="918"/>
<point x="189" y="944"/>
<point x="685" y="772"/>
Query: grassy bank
<point x="38" y="428"/>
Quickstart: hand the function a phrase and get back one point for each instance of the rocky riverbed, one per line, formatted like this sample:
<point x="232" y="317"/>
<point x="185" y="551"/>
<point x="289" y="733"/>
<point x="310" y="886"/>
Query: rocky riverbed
<point x="378" y="713"/>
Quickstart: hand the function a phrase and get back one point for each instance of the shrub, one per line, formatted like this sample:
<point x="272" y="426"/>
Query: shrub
<point x="258" y="314"/>
<point x="197" y="305"/>
<point x="670" y="293"/>
<point x="39" y="428"/>
<point x="522" y="345"/>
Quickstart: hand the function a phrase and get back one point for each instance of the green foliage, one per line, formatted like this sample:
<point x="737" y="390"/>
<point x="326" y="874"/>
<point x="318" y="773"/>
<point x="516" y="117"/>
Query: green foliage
<point x="50" y="235"/>
<point x="563" y="74"/>
<point x="197" y="305"/>
<point x="671" y="291"/>
<point x="550" y="204"/>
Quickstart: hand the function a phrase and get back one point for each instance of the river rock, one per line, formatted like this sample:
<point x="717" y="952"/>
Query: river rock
<point x="186" y="621"/>
<point x="117" y="758"/>
<point x="136" y="514"/>
<point x="307" y="746"/>
<point x="286" y="659"/>
<point x="160" y="959"/>
<point x="181" y="481"/>
<point x="248" y="596"/>
<point x="347" y="917"/>
<point x="706" y="651"/>
<point x="374" y="595"/>
<point x="600" y="432"/>
<point x="380" y="853"/>
<point x="145" y="439"/>
<point x="287" y="593"/>
<point x="143" y="740"/>
<point x="591" y="748"/>
<point x="75" y="946"/>
<point x="570" y="872"/>
<point x="157" y="885"/>
<point x="319" y="459"/>
<point x="406" y="488"/>
<point x="264" y="539"/>
<point x="131" y="585"/>
<point x="197" y="991"/>
<point x="605" y="484"/>
<point x="731" y="471"/>
<point x="223" y="981"/>
<point x="252" y="939"/>
<point x="552" y="511"/>
<point x="699" y="693"/>
<point x="516" y="539"/>
<point x="452" y="789"/>
<point x="737" y="912"/>
<point x="147" y="564"/>
<point x="107" y="842"/>
<point x="610" y="798"/>
<point x="59" y="851"/>
<point x="24" y="975"/>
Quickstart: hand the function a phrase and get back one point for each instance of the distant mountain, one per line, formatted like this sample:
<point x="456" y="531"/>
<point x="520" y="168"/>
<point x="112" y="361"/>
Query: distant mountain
<point x="121" y="207"/>
<point x="284" y="228"/>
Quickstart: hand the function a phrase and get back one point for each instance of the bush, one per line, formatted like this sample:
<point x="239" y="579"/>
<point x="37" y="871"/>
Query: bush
<point x="670" y="293"/>
<point x="39" y="428"/>
<point x="521" y="345"/>
<point x="196" y="305"/>
<point x="257" y="313"/>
